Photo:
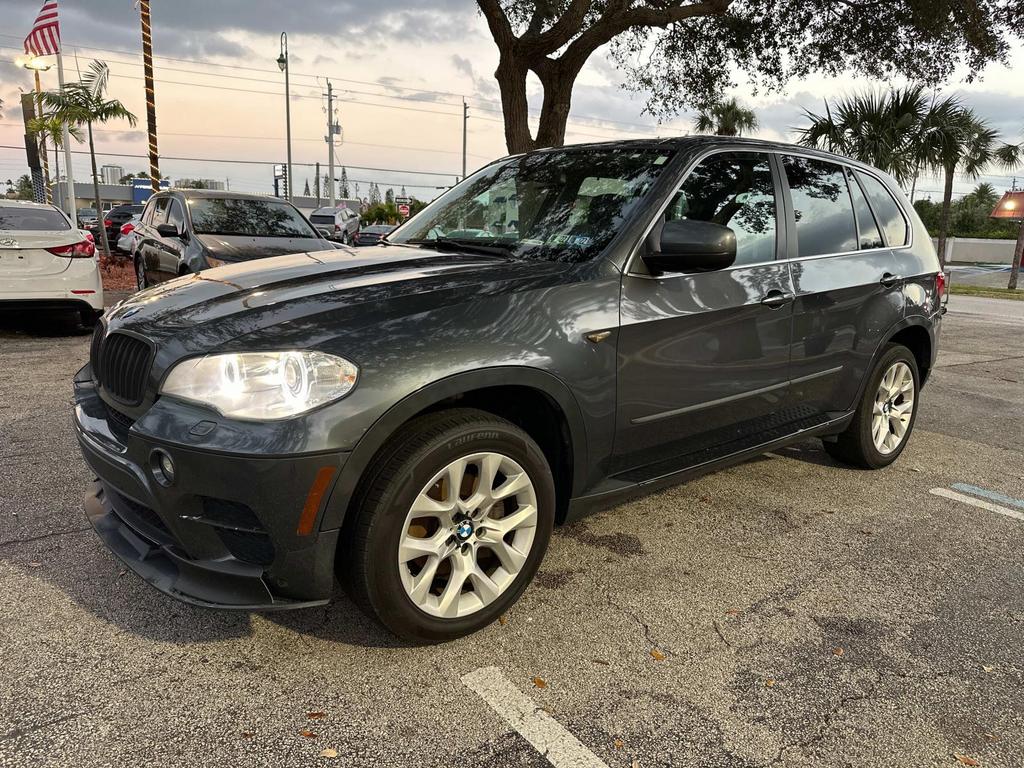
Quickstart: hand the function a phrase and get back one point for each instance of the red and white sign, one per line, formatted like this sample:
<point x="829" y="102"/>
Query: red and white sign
<point x="403" y="210"/>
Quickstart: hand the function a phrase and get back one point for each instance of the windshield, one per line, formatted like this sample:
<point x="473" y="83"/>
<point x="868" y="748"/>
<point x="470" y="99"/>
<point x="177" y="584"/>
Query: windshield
<point x="31" y="219"/>
<point x="256" y="218"/>
<point x="562" y="205"/>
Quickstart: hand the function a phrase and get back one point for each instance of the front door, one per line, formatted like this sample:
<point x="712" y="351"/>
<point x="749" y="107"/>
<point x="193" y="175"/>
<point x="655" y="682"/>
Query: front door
<point x="704" y="356"/>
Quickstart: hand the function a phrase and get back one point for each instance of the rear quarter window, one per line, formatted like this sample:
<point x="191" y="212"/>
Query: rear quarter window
<point x="887" y="210"/>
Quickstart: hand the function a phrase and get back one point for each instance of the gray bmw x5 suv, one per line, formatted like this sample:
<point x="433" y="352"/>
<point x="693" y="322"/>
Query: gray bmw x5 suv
<point x="560" y="330"/>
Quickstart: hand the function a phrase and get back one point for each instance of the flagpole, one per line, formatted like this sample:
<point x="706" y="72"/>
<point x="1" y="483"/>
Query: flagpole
<point x="69" y="184"/>
<point x="47" y="192"/>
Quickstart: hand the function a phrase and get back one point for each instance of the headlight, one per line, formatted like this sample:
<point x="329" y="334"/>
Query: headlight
<point x="262" y="385"/>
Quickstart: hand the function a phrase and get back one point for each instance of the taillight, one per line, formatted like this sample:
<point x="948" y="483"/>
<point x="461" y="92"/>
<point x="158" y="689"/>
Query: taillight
<point x="127" y="228"/>
<point x="89" y="237"/>
<point x="108" y="223"/>
<point x="83" y="249"/>
<point x="337" y="228"/>
<point x="940" y="284"/>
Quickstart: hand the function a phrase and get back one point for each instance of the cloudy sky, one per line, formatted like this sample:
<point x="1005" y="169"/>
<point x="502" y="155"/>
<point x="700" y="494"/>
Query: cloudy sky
<point x="400" y="70"/>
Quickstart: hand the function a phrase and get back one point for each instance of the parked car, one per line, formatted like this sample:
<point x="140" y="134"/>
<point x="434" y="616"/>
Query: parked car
<point x="46" y="264"/>
<point x="340" y="224"/>
<point x="86" y="218"/>
<point x="127" y="236"/>
<point x="116" y="217"/>
<point x="373" y="234"/>
<point x="417" y="418"/>
<point x="190" y="230"/>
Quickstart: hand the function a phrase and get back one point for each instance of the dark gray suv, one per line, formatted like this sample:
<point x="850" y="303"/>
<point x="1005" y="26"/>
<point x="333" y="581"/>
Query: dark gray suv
<point x="561" y="329"/>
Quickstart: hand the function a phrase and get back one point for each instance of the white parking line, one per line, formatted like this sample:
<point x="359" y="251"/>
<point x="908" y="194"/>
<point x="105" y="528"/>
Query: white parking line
<point x="555" y="743"/>
<point x="945" y="492"/>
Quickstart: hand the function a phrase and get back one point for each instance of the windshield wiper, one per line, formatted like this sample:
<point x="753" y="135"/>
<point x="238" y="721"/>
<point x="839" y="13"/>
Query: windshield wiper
<point x="492" y="248"/>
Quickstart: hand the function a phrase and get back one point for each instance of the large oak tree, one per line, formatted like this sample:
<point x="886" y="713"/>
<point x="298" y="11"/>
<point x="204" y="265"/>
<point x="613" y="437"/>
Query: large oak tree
<point x="686" y="53"/>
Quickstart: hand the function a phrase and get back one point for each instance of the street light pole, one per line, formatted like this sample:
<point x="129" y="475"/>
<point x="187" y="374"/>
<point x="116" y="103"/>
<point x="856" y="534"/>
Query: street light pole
<point x="465" y="129"/>
<point x="282" y="62"/>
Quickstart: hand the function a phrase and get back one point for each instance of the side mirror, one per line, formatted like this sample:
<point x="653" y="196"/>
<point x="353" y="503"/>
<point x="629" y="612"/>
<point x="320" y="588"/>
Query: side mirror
<point x="167" y="230"/>
<point x="692" y="245"/>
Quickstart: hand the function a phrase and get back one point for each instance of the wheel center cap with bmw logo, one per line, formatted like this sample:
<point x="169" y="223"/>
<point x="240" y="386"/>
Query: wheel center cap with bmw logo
<point x="464" y="530"/>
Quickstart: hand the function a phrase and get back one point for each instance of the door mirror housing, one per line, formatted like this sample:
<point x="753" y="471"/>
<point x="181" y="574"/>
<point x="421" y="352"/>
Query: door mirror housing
<point x="686" y="245"/>
<point x="168" y="230"/>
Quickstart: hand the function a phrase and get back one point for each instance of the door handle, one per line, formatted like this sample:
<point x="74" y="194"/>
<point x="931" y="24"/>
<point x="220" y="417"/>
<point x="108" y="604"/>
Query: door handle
<point x="889" y="279"/>
<point x="776" y="299"/>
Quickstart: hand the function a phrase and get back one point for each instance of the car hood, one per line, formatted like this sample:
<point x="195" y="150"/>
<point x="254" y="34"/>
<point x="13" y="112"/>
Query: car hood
<point x="245" y="247"/>
<point x="309" y="297"/>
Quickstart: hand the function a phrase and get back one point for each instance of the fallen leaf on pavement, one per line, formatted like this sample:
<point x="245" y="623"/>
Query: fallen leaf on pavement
<point x="602" y="662"/>
<point x="307" y="734"/>
<point x="503" y="619"/>
<point x="657" y="655"/>
<point x="539" y="682"/>
<point x="316" y="715"/>
<point x="331" y="753"/>
<point x="618" y="743"/>
<point x="769" y="683"/>
<point x="837" y="651"/>
<point x="733" y="612"/>
<point x="966" y="760"/>
<point x="988" y="669"/>
<point x="635" y="763"/>
<point x="246" y="735"/>
<point x="866" y="531"/>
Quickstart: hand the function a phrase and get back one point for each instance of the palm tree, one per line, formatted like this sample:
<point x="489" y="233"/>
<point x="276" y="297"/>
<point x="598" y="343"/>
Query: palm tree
<point x="83" y="103"/>
<point x="726" y="118"/>
<point x="903" y="132"/>
<point x="51" y="128"/>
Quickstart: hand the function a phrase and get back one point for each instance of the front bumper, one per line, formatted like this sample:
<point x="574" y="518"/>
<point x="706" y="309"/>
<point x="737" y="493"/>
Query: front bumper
<point x="226" y="533"/>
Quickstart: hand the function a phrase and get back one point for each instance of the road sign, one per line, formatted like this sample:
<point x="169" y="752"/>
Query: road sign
<point x="403" y="210"/>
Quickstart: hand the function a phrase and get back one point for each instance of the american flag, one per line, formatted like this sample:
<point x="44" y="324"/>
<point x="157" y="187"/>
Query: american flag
<point x="44" y="39"/>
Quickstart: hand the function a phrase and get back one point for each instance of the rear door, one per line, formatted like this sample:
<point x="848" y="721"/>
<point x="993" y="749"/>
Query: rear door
<point x="169" y="249"/>
<point x="704" y="356"/>
<point x="848" y="292"/>
<point x="148" y="247"/>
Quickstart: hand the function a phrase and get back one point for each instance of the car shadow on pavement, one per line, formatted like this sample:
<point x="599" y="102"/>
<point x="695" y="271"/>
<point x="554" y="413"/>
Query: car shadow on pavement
<point x="43" y="325"/>
<point x="809" y="452"/>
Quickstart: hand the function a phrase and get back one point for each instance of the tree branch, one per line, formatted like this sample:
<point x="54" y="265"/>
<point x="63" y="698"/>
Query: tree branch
<point x="497" y="21"/>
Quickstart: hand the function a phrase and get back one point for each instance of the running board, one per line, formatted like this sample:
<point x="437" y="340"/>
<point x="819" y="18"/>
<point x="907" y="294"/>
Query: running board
<point x="630" y="489"/>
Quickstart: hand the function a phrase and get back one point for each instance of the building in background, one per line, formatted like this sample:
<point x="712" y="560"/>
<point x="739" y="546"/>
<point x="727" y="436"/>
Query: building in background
<point x="111" y="174"/>
<point x="110" y="194"/>
<point x="200" y="184"/>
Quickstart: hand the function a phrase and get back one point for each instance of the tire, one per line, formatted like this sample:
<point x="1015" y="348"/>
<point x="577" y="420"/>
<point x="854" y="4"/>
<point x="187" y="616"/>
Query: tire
<point x="345" y="238"/>
<point x="88" y="318"/>
<point x="399" y="594"/>
<point x="141" y="282"/>
<point x="857" y="444"/>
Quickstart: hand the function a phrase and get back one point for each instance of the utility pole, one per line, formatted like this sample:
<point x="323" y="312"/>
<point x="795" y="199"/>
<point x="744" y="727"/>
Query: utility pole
<point x="316" y="183"/>
<point x="330" y="139"/>
<point x="282" y="62"/>
<point x="465" y="130"/>
<point x="147" y="68"/>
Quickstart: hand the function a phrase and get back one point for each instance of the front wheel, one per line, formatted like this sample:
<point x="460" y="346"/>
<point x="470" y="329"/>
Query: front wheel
<point x="140" y="274"/>
<point x="885" y="416"/>
<point x="451" y="527"/>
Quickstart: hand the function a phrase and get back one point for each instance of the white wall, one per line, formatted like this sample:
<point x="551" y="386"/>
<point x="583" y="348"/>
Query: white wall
<point x="976" y="250"/>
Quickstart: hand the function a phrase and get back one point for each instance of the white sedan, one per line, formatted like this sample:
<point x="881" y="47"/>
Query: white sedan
<point x="126" y="240"/>
<point x="46" y="264"/>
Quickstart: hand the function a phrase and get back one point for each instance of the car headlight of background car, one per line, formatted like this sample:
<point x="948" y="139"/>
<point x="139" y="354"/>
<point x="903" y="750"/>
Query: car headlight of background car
<point x="262" y="385"/>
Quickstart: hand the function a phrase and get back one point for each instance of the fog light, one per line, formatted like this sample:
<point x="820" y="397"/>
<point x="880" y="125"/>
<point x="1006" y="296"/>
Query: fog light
<point x="162" y="467"/>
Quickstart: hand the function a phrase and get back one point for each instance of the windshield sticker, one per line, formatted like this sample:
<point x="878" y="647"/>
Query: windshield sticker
<point x="661" y="160"/>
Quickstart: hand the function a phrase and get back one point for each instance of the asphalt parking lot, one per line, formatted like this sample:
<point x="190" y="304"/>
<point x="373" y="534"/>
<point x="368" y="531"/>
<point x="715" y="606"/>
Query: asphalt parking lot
<point x="787" y="611"/>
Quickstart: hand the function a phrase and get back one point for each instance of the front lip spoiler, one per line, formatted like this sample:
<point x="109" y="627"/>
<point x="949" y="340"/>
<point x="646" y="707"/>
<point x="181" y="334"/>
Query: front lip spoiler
<point x="208" y="584"/>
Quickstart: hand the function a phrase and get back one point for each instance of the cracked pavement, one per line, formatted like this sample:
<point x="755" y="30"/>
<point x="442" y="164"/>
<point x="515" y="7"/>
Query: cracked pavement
<point x="809" y="614"/>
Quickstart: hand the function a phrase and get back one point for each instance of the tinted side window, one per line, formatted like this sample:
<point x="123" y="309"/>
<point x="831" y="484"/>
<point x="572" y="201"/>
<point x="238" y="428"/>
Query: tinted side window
<point x="887" y="210"/>
<point x="870" y="237"/>
<point x="822" y="207"/>
<point x="734" y="189"/>
<point x="147" y="214"/>
<point x="176" y="216"/>
<point x="160" y="213"/>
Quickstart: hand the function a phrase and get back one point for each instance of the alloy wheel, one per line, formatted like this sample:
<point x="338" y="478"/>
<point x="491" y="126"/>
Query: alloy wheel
<point x="468" y="535"/>
<point x="893" y="408"/>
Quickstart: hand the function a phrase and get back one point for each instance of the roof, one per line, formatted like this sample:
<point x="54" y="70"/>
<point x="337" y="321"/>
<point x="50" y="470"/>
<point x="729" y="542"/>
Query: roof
<point x="697" y="142"/>
<point x="8" y="203"/>
<point x="196" y="194"/>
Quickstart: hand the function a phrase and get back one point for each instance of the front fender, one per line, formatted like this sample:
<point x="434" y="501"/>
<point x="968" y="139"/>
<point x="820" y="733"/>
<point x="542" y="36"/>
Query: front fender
<point x="388" y="424"/>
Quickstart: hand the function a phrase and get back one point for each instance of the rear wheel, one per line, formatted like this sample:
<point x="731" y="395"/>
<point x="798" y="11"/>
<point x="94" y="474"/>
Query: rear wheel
<point x="885" y="416"/>
<point x="451" y="527"/>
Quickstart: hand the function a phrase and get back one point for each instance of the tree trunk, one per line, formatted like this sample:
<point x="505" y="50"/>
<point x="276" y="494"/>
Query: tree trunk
<point x="511" y="77"/>
<point x="947" y="201"/>
<point x="105" y="247"/>
<point x="558" y="81"/>
<point x="1018" y="252"/>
